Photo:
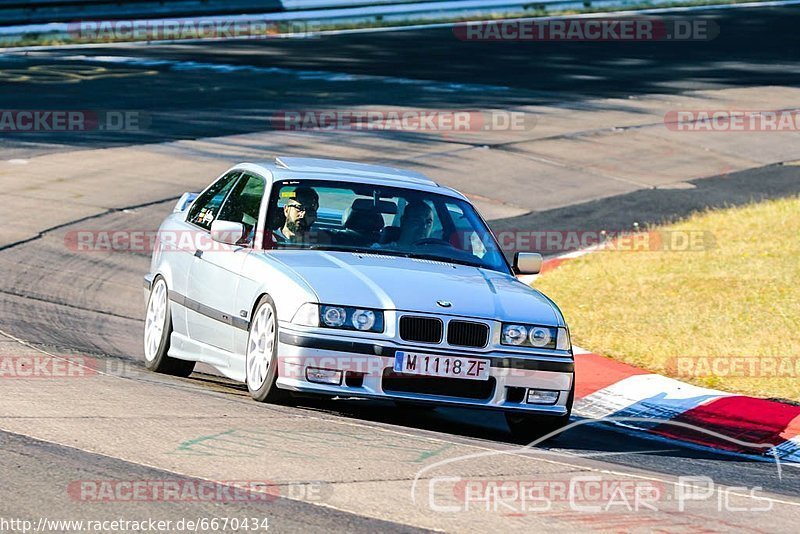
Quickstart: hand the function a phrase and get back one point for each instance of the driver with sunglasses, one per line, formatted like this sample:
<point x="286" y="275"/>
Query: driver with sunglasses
<point x="300" y="212"/>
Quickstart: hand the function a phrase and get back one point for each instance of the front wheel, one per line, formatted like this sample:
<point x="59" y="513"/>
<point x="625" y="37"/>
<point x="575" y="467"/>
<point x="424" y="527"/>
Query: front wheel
<point x="261" y="357"/>
<point x="157" y="333"/>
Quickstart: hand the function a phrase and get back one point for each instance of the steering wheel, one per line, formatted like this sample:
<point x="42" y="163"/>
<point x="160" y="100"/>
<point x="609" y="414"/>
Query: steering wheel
<point x="431" y="241"/>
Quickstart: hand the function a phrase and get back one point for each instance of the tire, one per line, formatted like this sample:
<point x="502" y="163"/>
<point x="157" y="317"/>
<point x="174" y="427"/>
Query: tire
<point x="528" y="428"/>
<point x="157" y="333"/>
<point x="261" y="354"/>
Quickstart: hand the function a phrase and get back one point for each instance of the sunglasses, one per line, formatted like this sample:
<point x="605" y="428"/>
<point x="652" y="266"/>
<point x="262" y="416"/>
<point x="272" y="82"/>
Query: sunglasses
<point x="308" y="208"/>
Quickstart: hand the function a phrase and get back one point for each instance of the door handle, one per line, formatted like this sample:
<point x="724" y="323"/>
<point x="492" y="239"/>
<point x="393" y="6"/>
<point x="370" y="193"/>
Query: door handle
<point x="198" y="253"/>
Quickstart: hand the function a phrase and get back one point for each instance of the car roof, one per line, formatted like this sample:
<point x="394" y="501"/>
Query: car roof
<point x="334" y="166"/>
<point x="284" y="168"/>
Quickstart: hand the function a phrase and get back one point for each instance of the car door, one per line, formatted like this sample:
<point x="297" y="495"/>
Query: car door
<point x="215" y="274"/>
<point x="181" y="236"/>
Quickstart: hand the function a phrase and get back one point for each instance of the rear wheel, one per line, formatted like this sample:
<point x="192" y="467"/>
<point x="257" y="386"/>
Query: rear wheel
<point x="157" y="333"/>
<point x="262" y="354"/>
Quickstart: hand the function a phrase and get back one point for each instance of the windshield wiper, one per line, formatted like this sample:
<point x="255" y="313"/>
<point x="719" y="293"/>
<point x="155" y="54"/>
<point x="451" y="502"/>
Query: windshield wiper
<point x="354" y="250"/>
<point x="334" y="248"/>
<point x="443" y="259"/>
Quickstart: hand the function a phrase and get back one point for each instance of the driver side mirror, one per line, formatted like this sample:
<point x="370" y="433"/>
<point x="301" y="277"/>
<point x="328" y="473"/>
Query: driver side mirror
<point x="227" y="232"/>
<point x="527" y="262"/>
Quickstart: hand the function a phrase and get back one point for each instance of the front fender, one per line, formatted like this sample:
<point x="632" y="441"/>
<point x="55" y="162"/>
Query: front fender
<point x="263" y="274"/>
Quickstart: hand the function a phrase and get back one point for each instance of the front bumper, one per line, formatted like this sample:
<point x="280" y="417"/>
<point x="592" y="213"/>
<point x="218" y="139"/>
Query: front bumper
<point x="370" y="366"/>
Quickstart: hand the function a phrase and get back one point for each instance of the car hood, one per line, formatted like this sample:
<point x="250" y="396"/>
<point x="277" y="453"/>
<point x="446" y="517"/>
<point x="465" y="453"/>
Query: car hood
<point x="397" y="283"/>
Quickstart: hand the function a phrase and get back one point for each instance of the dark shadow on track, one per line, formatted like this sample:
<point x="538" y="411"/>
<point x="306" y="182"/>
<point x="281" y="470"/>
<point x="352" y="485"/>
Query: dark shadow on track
<point x="181" y="103"/>
<point x="754" y="47"/>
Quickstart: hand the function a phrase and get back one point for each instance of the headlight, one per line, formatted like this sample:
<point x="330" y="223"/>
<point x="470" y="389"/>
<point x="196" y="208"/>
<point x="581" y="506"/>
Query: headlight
<point x="340" y="317"/>
<point x="333" y="316"/>
<point x="363" y="319"/>
<point x="540" y="337"/>
<point x="514" y="334"/>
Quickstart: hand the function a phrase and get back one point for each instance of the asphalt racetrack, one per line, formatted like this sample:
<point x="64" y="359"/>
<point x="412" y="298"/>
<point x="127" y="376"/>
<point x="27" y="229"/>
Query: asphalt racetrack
<point x="202" y="107"/>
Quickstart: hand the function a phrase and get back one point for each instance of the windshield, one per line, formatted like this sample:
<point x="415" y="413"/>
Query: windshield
<point x="374" y="219"/>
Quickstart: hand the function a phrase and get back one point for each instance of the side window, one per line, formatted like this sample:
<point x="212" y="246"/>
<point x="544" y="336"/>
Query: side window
<point x="204" y="210"/>
<point x="243" y="204"/>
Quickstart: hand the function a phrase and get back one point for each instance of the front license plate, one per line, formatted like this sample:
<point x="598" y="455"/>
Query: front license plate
<point x="447" y="366"/>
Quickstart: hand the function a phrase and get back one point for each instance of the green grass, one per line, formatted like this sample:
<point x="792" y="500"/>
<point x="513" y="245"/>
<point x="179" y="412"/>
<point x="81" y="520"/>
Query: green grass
<point x="739" y="298"/>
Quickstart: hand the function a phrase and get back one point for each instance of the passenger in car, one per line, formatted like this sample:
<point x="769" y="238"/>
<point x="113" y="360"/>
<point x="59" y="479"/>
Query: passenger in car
<point x="415" y="224"/>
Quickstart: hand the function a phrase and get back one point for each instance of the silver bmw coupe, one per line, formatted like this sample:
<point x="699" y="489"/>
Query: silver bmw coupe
<point x="342" y="279"/>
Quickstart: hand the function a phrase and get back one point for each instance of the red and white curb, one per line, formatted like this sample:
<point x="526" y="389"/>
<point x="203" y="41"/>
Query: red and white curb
<point x="671" y="409"/>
